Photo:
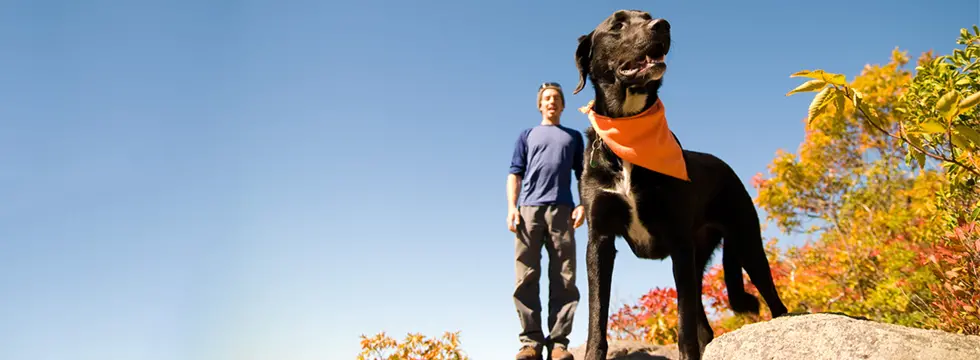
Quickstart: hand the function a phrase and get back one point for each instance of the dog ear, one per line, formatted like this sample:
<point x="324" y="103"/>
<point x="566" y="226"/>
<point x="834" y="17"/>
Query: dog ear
<point x="583" y="58"/>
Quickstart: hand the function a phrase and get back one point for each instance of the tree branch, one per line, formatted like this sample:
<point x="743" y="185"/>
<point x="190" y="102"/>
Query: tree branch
<point x="903" y="137"/>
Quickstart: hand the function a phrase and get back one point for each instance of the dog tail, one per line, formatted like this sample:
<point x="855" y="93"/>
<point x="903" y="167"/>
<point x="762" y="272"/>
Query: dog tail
<point x="741" y="232"/>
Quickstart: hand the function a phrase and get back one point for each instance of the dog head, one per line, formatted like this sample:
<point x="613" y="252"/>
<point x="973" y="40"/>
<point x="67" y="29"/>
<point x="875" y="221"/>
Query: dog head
<point x="624" y="58"/>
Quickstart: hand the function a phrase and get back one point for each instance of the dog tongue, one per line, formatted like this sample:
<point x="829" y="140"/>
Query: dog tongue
<point x="638" y="64"/>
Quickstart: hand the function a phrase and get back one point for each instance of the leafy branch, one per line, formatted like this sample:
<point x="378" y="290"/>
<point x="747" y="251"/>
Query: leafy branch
<point x="833" y="88"/>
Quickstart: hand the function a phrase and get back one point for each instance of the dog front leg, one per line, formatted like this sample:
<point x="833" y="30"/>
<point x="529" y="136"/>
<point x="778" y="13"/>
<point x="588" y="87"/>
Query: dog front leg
<point x="686" y="279"/>
<point x="600" y="254"/>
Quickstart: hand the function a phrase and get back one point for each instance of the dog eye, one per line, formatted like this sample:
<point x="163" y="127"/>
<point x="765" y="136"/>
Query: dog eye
<point x="617" y="26"/>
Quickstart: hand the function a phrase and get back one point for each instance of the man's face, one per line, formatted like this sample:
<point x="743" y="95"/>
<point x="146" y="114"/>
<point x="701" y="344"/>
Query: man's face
<point x="550" y="103"/>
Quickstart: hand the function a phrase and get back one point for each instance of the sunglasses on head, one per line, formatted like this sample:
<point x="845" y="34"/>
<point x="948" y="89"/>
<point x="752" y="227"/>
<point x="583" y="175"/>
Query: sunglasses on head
<point x="549" y="84"/>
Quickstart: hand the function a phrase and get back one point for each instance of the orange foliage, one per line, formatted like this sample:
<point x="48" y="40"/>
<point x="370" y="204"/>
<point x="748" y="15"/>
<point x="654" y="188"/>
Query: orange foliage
<point x="413" y="347"/>
<point x="957" y="263"/>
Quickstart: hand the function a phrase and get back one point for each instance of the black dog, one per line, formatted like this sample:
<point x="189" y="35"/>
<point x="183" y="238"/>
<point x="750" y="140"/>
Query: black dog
<point x="659" y="215"/>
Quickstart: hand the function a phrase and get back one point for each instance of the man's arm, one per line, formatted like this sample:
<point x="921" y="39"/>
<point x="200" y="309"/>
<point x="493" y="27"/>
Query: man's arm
<point x="518" y="164"/>
<point x="578" y="214"/>
<point x="513" y="184"/>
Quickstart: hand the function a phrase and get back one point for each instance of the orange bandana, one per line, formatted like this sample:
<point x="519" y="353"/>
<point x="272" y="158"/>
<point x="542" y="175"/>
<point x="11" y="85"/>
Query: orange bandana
<point x="642" y="139"/>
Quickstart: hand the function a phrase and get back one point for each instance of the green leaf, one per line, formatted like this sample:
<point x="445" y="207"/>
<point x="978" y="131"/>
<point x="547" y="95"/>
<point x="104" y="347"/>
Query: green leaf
<point x="970" y="101"/>
<point x="968" y="132"/>
<point x="812" y="85"/>
<point x="932" y="127"/>
<point x="964" y="33"/>
<point x="976" y="215"/>
<point x="964" y="81"/>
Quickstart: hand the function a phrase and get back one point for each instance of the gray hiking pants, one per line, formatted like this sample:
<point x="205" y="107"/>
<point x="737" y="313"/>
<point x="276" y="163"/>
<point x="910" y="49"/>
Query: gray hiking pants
<point x="549" y="227"/>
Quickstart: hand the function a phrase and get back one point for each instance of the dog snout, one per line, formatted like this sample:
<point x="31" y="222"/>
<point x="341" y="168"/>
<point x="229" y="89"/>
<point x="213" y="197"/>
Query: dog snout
<point x="659" y="26"/>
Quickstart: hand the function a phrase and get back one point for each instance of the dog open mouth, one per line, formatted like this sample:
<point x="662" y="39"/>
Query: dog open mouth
<point x="640" y="66"/>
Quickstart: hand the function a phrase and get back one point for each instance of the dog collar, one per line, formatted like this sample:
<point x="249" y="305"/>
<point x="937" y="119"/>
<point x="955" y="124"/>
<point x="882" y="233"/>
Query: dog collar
<point x="643" y="139"/>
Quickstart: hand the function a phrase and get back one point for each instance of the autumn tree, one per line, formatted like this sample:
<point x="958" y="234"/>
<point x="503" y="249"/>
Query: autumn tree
<point x="884" y="184"/>
<point x="935" y="119"/>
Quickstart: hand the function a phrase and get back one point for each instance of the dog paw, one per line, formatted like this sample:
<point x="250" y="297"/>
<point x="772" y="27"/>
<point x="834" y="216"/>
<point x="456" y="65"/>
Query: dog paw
<point x="744" y="303"/>
<point x="598" y="354"/>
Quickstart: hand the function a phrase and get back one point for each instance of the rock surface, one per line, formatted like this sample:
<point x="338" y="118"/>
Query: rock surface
<point x="632" y="350"/>
<point x="813" y="337"/>
<point x="829" y="336"/>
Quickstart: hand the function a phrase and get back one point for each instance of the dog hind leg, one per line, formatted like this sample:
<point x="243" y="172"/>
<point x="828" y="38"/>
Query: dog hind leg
<point x="744" y="238"/>
<point x="756" y="264"/>
<point x="741" y="301"/>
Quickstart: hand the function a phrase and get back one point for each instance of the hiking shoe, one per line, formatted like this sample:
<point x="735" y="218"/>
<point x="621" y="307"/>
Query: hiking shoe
<point x="560" y="353"/>
<point x="528" y="353"/>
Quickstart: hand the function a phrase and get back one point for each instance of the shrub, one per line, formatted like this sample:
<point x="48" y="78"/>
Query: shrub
<point x="413" y="347"/>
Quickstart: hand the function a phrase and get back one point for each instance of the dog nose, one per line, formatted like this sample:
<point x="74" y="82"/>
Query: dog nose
<point x="659" y="26"/>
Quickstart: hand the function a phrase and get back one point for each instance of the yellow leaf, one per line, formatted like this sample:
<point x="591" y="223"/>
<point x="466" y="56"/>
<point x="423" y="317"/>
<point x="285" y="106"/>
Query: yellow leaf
<point x="812" y="85"/>
<point x="960" y="141"/>
<point x="969" y="133"/>
<point x="932" y="127"/>
<point x="970" y="101"/>
<point x="920" y="159"/>
<point x="836" y="79"/>
<point x="856" y="99"/>
<point x="945" y="103"/>
<point x="839" y="102"/>
<point x="915" y="139"/>
<point x="819" y="103"/>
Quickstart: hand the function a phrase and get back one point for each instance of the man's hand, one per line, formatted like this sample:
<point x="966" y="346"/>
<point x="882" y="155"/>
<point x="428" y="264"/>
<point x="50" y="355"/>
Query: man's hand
<point x="513" y="218"/>
<point x="578" y="216"/>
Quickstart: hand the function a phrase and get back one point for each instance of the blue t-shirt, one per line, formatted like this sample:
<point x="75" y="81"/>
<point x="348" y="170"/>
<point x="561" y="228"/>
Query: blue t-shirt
<point x="546" y="156"/>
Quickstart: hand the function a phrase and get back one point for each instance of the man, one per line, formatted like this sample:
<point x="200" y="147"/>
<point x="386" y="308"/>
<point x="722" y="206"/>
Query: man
<point x="544" y="159"/>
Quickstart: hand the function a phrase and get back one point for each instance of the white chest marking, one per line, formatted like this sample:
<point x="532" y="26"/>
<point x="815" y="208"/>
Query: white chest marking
<point x="637" y="232"/>
<point x="634" y="103"/>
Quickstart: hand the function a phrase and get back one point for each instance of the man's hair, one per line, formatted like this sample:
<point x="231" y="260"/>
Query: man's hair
<point x="556" y="86"/>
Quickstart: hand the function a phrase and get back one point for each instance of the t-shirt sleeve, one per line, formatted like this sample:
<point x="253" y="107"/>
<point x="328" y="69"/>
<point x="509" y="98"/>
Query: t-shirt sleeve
<point x="579" y="157"/>
<point x="518" y="160"/>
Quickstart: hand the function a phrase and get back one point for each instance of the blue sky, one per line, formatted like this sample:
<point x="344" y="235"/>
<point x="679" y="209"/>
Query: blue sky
<point x="260" y="180"/>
